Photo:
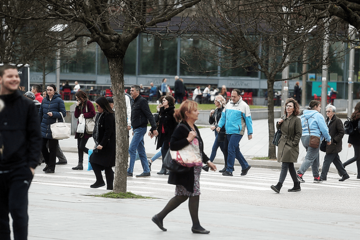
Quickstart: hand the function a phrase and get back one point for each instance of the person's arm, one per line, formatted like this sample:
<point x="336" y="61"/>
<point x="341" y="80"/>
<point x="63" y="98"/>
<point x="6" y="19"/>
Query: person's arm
<point x="324" y="130"/>
<point x="298" y="132"/>
<point x="61" y="107"/>
<point x="340" y="131"/>
<point x="212" y="117"/>
<point x="146" y="110"/>
<point x="91" y="110"/>
<point x="109" y="125"/>
<point x="33" y="137"/>
<point x="248" y="120"/>
<point x="222" y="119"/>
<point x="40" y="113"/>
<point x="179" y="138"/>
<point x="77" y="112"/>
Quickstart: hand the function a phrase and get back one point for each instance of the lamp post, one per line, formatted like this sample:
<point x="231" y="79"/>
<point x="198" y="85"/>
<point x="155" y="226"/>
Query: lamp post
<point x="352" y="32"/>
<point x="285" y="72"/>
<point x="324" y="79"/>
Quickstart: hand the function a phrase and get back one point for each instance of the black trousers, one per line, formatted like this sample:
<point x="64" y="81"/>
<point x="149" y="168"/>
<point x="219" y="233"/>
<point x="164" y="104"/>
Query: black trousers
<point x="335" y="159"/>
<point x="109" y="174"/>
<point x="50" y="154"/>
<point x="355" y="158"/>
<point x="178" y="96"/>
<point x="14" y="187"/>
<point x="81" y="144"/>
<point x="285" y="167"/>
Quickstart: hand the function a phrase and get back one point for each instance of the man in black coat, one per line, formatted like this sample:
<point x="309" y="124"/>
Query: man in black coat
<point x="179" y="90"/>
<point x="20" y="131"/>
<point x="140" y="116"/>
<point x="336" y="131"/>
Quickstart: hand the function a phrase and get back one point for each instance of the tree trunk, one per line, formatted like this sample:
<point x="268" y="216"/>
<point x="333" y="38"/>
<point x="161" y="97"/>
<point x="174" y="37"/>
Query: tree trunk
<point x="271" y="127"/>
<point x="122" y="140"/>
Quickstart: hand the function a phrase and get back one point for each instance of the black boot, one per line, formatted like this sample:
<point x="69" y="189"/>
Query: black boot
<point x="296" y="187"/>
<point x="277" y="187"/>
<point x="223" y="170"/>
<point x="110" y="180"/>
<point x="78" y="167"/>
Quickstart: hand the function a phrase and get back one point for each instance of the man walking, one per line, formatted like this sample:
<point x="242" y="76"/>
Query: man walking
<point x="20" y="131"/>
<point x="140" y="115"/>
<point x="236" y="117"/>
<point x="179" y="90"/>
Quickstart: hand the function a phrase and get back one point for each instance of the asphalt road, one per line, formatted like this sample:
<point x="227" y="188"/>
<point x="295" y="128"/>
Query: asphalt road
<point x="61" y="207"/>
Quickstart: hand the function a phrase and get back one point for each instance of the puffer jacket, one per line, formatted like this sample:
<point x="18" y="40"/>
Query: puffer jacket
<point x="55" y="105"/>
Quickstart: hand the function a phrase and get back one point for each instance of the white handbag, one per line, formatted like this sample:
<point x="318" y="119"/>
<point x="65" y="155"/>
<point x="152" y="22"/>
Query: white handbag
<point x="60" y="130"/>
<point x="81" y="126"/>
<point x="89" y="124"/>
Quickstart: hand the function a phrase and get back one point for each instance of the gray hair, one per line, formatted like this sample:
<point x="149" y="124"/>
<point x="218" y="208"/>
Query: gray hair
<point x="137" y="87"/>
<point x="176" y="77"/>
<point x="333" y="108"/>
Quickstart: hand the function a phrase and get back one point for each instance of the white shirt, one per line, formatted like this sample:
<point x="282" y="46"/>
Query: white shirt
<point x="206" y="92"/>
<point x="128" y="110"/>
<point x="77" y="87"/>
<point x="196" y="93"/>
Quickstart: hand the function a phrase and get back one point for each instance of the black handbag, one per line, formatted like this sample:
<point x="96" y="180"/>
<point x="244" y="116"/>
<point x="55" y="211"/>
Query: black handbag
<point x="221" y="136"/>
<point x="173" y="166"/>
<point x="277" y="137"/>
<point x="323" y="146"/>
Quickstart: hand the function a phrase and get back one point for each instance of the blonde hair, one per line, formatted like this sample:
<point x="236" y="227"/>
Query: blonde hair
<point x="186" y="106"/>
<point x="221" y="100"/>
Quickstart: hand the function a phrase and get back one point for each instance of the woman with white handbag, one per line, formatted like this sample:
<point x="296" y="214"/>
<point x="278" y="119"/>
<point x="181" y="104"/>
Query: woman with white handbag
<point x="85" y="112"/>
<point x="52" y="110"/>
<point x="186" y="136"/>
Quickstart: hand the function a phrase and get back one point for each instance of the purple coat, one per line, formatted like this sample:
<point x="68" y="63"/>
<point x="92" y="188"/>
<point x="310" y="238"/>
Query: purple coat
<point x="89" y="114"/>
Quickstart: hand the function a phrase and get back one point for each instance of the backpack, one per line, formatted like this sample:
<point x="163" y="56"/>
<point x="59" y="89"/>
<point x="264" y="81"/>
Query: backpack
<point x="349" y="128"/>
<point x="131" y="99"/>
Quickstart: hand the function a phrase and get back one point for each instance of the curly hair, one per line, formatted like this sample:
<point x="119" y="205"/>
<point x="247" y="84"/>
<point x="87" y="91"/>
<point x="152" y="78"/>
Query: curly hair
<point x="356" y="114"/>
<point x="296" y="106"/>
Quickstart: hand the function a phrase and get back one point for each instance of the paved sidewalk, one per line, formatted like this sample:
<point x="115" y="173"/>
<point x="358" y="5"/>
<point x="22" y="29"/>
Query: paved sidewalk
<point x="257" y="147"/>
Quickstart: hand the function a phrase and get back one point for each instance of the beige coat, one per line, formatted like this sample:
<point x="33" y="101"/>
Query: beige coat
<point x="288" y="149"/>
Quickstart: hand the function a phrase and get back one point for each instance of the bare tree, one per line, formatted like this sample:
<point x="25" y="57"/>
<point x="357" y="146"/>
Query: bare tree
<point x="262" y="35"/>
<point x="101" y="18"/>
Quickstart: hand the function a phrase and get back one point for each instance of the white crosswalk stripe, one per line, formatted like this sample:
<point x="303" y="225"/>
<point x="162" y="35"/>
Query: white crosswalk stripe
<point x="258" y="179"/>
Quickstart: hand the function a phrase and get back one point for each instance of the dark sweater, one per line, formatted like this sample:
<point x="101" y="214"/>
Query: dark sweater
<point x="20" y="130"/>
<point x="355" y="137"/>
<point x="141" y="114"/>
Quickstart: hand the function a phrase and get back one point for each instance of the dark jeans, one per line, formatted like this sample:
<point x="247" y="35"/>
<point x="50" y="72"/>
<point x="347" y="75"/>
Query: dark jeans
<point x="14" y="187"/>
<point x="50" y="154"/>
<point x="355" y="158"/>
<point x="164" y="149"/>
<point x="81" y="144"/>
<point x="234" y="152"/>
<point x="109" y="174"/>
<point x="216" y="145"/>
<point x="285" y="167"/>
<point x="332" y="158"/>
<point x="178" y="96"/>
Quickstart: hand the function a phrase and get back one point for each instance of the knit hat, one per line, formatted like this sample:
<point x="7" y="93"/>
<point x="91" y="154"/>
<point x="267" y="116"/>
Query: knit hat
<point x="30" y="95"/>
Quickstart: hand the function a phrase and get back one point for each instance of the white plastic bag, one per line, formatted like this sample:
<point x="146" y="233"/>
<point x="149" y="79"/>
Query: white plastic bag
<point x="81" y="126"/>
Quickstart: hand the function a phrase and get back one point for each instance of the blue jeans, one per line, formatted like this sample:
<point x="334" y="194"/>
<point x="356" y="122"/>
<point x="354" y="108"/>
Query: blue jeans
<point x="234" y="152"/>
<point x="156" y="156"/>
<point x="137" y="143"/>
<point x="215" y="147"/>
<point x="311" y="158"/>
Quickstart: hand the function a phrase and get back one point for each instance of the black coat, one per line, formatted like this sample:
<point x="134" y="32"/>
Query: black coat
<point x="215" y="118"/>
<point x="141" y="114"/>
<point x="354" y="138"/>
<point x="166" y="120"/>
<point x="106" y="138"/>
<point x="179" y="87"/>
<point x="20" y="130"/>
<point x="336" y="131"/>
<point x="177" y="142"/>
<point x="297" y="93"/>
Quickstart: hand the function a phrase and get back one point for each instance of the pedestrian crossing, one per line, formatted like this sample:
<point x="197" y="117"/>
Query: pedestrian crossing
<point x="258" y="179"/>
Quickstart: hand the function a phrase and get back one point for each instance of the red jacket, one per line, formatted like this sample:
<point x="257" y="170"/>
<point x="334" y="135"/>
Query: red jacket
<point x="89" y="114"/>
<point x="38" y="97"/>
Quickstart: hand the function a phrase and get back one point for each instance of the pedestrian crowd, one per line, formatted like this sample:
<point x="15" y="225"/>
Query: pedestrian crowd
<point x="26" y="133"/>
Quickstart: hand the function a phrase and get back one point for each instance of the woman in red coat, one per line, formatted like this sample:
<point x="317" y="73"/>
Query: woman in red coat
<point x="84" y="106"/>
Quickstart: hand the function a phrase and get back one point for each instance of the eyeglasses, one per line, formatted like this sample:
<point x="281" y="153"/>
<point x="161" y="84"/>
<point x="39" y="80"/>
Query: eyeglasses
<point x="289" y="106"/>
<point x="328" y="111"/>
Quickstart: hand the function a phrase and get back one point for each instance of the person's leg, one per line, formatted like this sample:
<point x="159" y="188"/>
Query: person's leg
<point x="164" y="150"/>
<point x="311" y="155"/>
<point x="97" y="171"/>
<point x="4" y="206"/>
<point x="53" y="143"/>
<point x="214" y="147"/>
<point x="338" y="164"/>
<point x="142" y="153"/>
<point x="60" y="155"/>
<point x="292" y="172"/>
<point x="18" y="201"/>
<point x="231" y="152"/>
<point x="81" y="149"/>
<point x="109" y="174"/>
<point x="138" y="136"/>
<point x="45" y="151"/>
<point x="194" y="213"/>
<point x="238" y="154"/>
<point x="329" y="158"/>
<point x="316" y="163"/>
<point x="156" y="156"/>
<point x="283" y="172"/>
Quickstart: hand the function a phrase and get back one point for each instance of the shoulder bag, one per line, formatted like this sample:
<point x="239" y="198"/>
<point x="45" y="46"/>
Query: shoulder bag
<point x="314" y="141"/>
<point x="172" y="165"/>
<point x="89" y="123"/>
<point x="348" y="127"/>
<point x="277" y="137"/>
<point x="81" y="125"/>
<point x="60" y="130"/>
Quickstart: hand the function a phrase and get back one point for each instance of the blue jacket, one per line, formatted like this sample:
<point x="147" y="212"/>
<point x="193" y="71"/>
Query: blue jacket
<point x="317" y="124"/>
<point x="55" y="105"/>
<point x="235" y="117"/>
<point x="163" y="87"/>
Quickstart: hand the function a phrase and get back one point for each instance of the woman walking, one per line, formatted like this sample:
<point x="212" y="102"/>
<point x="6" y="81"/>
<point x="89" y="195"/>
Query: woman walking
<point x="313" y="124"/>
<point x="214" y="119"/>
<point x="187" y="184"/>
<point x="354" y="139"/>
<point x="85" y="107"/>
<point x="166" y="127"/>
<point x="50" y="110"/>
<point x="288" y="151"/>
<point x="103" y="156"/>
